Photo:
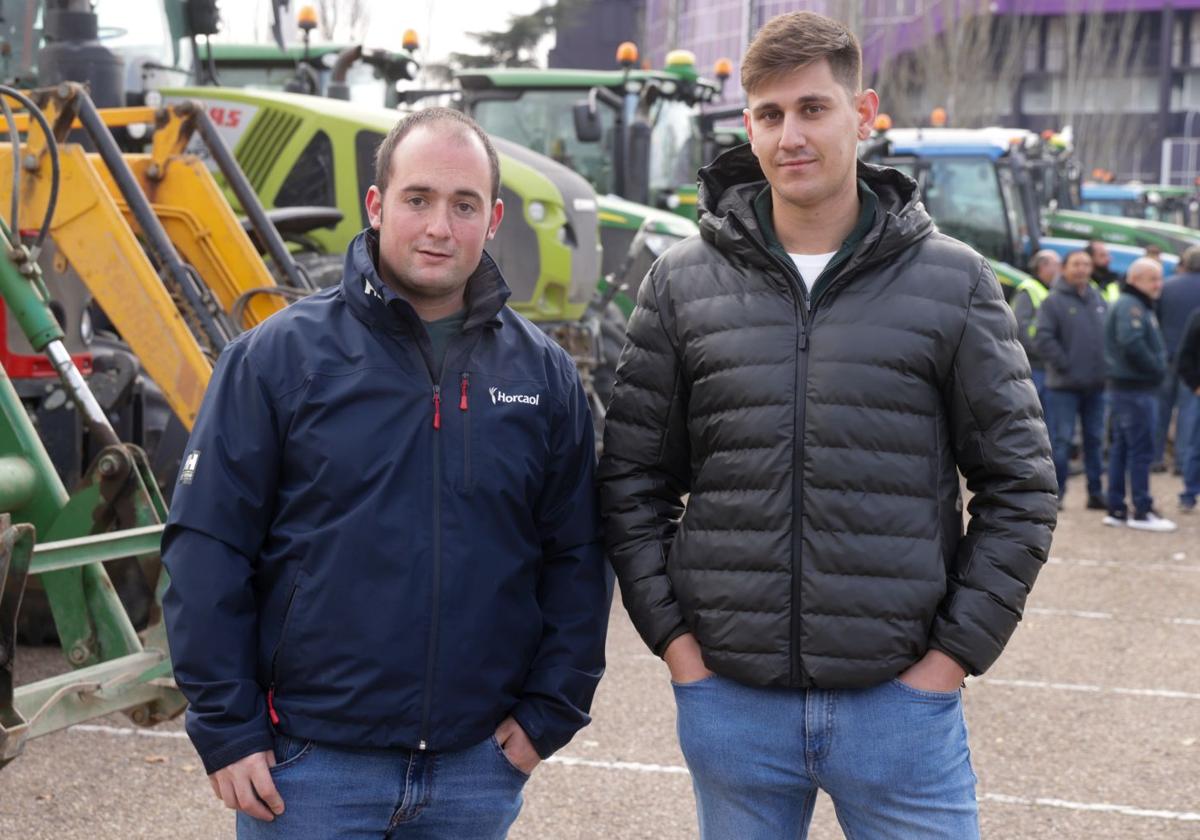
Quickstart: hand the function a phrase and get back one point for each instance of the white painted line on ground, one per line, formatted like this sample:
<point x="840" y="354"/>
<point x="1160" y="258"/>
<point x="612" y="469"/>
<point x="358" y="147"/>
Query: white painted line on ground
<point x="632" y="766"/>
<point x="126" y="731"/>
<point x="1089" y="689"/>
<point x="1107" y="616"/>
<point x="1128" y="810"/>
<point x="1125" y="564"/>
<point x="680" y="770"/>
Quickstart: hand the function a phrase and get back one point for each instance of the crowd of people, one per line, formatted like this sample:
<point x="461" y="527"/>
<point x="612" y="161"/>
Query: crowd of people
<point x="1119" y="359"/>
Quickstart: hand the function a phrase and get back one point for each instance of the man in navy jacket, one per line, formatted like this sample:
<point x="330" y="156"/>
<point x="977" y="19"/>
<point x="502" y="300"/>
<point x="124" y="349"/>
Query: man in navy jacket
<point x="388" y="600"/>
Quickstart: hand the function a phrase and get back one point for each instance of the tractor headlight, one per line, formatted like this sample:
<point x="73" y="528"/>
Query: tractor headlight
<point x="537" y="211"/>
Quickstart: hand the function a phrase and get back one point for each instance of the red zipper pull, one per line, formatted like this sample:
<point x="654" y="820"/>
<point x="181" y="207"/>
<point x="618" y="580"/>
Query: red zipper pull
<point x="462" y="400"/>
<point x="437" y="407"/>
<point x="271" y="706"/>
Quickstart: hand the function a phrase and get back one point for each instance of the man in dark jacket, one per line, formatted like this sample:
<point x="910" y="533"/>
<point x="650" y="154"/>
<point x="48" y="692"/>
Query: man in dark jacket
<point x="811" y="372"/>
<point x="1180" y="299"/>
<point x="1188" y="365"/>
<point x="1136" y="360"/>
<point x="1070" y="340"/>
<point x="388" y="600"/>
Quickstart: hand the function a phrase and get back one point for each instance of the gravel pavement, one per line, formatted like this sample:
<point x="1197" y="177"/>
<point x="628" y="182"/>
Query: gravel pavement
<point x="1088" y="727"/>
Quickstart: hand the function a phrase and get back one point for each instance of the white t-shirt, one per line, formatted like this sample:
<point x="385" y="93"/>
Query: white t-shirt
<point x="810" y="266"/>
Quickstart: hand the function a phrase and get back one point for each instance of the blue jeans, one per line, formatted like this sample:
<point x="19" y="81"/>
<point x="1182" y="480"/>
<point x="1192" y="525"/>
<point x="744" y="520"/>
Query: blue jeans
<point x="336" y="792"/>
<point x="1134" y="415"/>
<point x="1191" y="466"/>
<point x="893" y="759"/>
<point x="1171" y="395"/>
<point x="1062" y="407"/>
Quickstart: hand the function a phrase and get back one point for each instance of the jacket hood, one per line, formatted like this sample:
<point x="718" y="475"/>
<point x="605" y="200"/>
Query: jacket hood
<point x="729" y="185"/>
<point x="486" y="289"/>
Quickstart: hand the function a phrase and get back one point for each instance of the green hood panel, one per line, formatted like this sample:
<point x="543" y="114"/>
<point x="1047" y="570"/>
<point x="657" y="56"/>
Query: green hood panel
<point x="550" y="255"/>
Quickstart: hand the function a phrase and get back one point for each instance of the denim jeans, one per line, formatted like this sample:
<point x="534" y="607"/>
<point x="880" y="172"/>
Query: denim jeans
<point x="893" y="759"/>
<point x="1062" y="407"/>
<point x="1134" y="415"/>
<point x="337" y="792"/>
<point x="1173" y="394"/>
<point x="1191" y="467"/>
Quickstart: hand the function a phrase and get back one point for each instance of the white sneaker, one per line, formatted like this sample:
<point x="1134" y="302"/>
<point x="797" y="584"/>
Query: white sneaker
<point x="1114" y="520"/>
<point x="1151" y="521"/>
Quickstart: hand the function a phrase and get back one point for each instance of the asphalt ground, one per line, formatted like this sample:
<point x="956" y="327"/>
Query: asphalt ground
<point x="1087" y="727"/>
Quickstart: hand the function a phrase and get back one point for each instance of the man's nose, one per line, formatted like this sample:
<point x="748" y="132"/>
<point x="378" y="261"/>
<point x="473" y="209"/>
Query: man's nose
<point x="793" y="135"/>
<point x="437" y="223"/>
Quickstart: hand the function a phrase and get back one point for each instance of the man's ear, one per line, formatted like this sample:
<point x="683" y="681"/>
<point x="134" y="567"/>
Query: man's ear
<point x="867" y="105"/>
<point x="374" y="202"/>
<point x="746" y="122"/>
<point x="497" y="215"/>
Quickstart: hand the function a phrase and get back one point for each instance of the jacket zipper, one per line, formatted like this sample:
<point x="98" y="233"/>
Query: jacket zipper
<point x="464" y="406"/>
<point x="803" y="309"/>
<point x="287" y="615"/>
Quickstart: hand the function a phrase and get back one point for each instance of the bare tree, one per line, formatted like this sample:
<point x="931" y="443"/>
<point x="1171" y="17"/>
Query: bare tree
<point x="346" y="19"/>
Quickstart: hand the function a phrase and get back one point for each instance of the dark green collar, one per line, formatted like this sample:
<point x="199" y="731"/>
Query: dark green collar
<point x="866" y="218"/>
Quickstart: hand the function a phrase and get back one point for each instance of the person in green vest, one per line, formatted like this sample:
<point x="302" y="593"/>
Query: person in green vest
<point x="1045" y="267"/>
<point x="1104" y="278"/>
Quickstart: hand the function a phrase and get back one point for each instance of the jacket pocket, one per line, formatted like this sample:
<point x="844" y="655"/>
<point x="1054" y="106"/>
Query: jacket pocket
<point x="287" y="615"/>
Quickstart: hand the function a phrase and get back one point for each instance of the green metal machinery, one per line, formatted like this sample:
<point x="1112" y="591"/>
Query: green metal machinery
<point x="634" y="134"/>
<point x="1170" y="203"/>
<point x="980" y="188"/>
<point x="1056" y="176"/>
<point x="302" y="152"/>
<point x="115" y="515"/>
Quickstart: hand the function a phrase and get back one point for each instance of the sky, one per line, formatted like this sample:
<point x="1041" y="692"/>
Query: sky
<point x="441" y="24"/>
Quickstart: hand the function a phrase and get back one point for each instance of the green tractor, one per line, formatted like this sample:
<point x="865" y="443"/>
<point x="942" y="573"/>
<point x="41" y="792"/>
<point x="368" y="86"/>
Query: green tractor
<point x="979" y="187"/>
<point x="636" y="135"/>
<point x="1070" y="208"/>
<point x="310" y="161"/>
<point x="1169" y="203"/>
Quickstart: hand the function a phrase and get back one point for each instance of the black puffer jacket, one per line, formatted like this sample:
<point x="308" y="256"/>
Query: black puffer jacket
<point x="822" y="541"/>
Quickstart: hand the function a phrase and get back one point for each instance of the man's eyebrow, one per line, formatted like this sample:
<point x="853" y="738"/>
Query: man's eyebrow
<point x="422" y="188"/>
<point x="807" y="99"/>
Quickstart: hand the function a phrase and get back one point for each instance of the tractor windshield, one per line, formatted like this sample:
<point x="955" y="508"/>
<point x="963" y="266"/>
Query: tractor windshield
<point x="973" y="201"/>
<point x="542" y="120"/>
<point x="675" y="145"/>
<point x="137" y="27"/>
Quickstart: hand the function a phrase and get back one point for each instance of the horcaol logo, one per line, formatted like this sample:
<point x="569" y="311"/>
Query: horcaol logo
<point x="499" y="396"/>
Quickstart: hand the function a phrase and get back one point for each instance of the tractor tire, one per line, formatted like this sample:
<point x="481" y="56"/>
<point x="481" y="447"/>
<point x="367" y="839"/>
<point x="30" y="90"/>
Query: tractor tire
<point x="324" y="270"/>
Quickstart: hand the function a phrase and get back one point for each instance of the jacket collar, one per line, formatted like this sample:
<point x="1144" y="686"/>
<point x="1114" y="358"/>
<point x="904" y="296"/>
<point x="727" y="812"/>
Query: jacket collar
<point x="1137" y="293"/>
<point x="729" y="185"/>
<point x="1063" y="287"/>
<point x="374" y="302"/>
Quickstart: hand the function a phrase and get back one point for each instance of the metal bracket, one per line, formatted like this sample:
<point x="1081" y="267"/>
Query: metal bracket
<point x="16" y="553"/>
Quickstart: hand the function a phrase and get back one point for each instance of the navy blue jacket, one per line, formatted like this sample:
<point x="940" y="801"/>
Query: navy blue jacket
<point x="1180" y="298"/>
<point x="1133" y="343"/>
<point x="1070" y="337"/>
<point x="363" y="557"/>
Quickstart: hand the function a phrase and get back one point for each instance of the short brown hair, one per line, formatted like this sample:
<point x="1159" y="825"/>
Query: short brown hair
<point x="432" y="116"/>
<point x="797" y="39"/>
<point x="1191" y="259"/>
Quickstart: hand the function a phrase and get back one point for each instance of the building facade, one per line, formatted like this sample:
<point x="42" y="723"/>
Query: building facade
<point x="1123" y="74"/>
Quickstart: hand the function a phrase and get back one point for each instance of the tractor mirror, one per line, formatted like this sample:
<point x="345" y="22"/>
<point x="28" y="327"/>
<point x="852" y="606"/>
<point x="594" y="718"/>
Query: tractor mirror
<point x="587" y="123"/>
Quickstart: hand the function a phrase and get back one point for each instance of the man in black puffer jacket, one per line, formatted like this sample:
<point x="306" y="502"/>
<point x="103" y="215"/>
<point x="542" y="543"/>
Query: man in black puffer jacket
<point x="811" y="373"/>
